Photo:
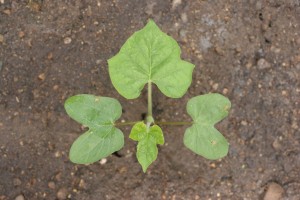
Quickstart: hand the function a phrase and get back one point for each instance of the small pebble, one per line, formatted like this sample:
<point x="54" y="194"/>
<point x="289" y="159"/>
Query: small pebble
<point x="50" y="56"/>
<point x="17" y="182"/>
<point x="184" y="18"/>
<point x="176" y="3"/>
<point x="225" y="91"/>
<point x="1" y="38"/>
<point x="298" y="41"/>
<point x="62" y="194"/>
<point x="7" y="11"/>
<point x="274" y="192"/>
<point x="244" y="123"/>
<point x="42" y="76"/>
<point x="20" y="197"/>
<point x="67" y="40"/>
<point x="263" y="64"/>
<point x="284" y="93"/>
<point x="55" y="87"/>
<point x="103" y="161"/>
<point x="21" y="34"/>
<point x="82" y="184"/>
<point x="276" y="144"/>
<point x="215" y="86"/>
<point x="2" y="1"/>
<point x="51" y="185"/>
<point x="57" y="154"/>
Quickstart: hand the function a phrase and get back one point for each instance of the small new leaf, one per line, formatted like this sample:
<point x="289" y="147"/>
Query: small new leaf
<point x="147" y="139"/>
<point x="202" y="137"/>
<point x="150" y="55"/>
<point x="102" y="138"/>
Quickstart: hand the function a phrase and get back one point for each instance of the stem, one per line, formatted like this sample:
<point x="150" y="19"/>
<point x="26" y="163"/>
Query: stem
<point x="149" y="99"/>
<point x="174" y="123"/>
<point x="125" y="123"/>
<point x="149" y="119"/>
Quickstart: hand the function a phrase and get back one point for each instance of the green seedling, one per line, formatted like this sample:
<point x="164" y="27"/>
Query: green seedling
<point x="148" y="57"/>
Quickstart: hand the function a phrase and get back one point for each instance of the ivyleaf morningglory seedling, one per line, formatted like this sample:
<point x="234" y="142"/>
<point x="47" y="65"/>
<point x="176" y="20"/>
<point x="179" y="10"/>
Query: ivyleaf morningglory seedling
<point x="149" y="57"/>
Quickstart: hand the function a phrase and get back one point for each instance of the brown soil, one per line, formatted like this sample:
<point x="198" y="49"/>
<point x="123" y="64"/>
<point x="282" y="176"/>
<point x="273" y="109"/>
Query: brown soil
<point x="247" y="50"/>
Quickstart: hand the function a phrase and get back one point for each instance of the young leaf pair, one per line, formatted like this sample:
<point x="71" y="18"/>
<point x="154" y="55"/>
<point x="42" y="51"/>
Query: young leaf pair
<point x="149" y="56"/>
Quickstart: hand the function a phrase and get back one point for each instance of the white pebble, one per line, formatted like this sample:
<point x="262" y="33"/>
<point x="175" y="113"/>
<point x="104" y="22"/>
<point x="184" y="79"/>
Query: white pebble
<point x="67" y="40"/>
<point x="103" y="161"/>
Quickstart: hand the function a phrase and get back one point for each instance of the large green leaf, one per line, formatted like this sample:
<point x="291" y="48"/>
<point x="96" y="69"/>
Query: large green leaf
<point x="102" y="138"/>
<point x="150" y="55"/>
<point x="202" y="137"/>
<point x="147" y="139"/>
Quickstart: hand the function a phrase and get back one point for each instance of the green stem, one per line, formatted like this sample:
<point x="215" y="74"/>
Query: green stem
<point x="149" y="119"/>
<point x="174" y="123"/>
<point x="125" y="123"/>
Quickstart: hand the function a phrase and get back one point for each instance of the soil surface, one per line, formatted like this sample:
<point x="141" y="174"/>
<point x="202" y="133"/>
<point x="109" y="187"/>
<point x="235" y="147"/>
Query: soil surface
<point x="248" y="51"/>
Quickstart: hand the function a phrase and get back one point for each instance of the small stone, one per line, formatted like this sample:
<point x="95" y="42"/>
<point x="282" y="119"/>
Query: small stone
<point x="103" y="161"/>
<point x="67" y="40"/>
<point x="55" y="87"/>
<point x="7" y="11"/>
<point x="212" y="165"/>
<point x="17" y="182"/>
<point x="20" y="197"/>
<point x="2" y="1"/>
<point x="263" y="64"/>
<point x="51" y="185"/>
<point x="1" y="38"/>
<point x="274" y="192"/>
<point x="82" y="184"/>
<point x="284" y="93"/>
<point x="219" y="51"/>
<point x="176" y="3"/>
<point x="215" y="86"/>
<point x="238" y="50"/>
<point x="50" y="56"/>
<point x="42" y="76"/>
<point x="36" y="7"/>
<point x="89" y="11"/>
<point x="298" y="41"/>
<point x="225" y="91"/>
<point x="184" y="17"/>
<point x="244" y="123"/>
<point x="21" y="34"/>
<point x="276" y="144"/>
<point x="57" y="154"/>
<point x="3" y="197"/>
<point x="58" y="176"/>
<point x="62" y="194"/>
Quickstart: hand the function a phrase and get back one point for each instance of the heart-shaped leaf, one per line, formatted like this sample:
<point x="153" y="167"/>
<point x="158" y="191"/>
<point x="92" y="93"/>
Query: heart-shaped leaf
<point x="147" y="139"/>
<point x="102" y="138"/>
<point x="150" y="55"/>
<point x="202" y="137"/>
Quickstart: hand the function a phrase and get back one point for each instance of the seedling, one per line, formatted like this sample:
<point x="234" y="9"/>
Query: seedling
<point x="149" y="57"/>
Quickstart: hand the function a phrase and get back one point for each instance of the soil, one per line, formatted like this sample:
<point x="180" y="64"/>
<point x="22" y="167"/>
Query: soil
<point x="248" y="51"/>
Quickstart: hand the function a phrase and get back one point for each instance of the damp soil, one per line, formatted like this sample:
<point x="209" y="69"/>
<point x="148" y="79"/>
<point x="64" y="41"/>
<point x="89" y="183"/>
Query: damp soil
<point x="248" y="51"/>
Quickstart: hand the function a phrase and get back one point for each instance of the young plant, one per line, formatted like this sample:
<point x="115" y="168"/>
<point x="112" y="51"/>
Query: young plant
<point x="149" y="57"/>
